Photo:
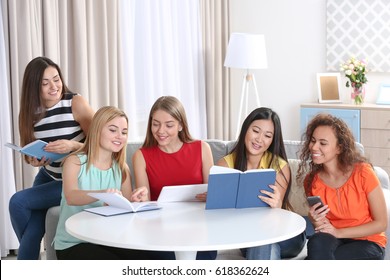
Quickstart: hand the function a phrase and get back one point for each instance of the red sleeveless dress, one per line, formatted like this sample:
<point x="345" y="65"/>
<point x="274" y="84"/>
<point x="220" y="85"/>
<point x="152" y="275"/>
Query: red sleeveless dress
<point x="181" y="168"/>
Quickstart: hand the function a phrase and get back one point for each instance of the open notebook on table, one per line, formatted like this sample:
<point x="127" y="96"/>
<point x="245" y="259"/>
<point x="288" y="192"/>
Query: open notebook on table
<point x="118" y="204"/>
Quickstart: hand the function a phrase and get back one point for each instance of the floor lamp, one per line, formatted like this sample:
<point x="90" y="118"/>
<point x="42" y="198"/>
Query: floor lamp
<point x="246" y="51"/>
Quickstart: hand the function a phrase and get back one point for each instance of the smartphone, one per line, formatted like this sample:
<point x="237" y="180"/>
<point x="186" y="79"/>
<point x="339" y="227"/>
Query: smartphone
<point x="314" y="200"/>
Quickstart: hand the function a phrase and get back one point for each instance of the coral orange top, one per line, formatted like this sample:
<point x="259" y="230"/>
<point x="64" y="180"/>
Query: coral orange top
<point x="348" y="204"/>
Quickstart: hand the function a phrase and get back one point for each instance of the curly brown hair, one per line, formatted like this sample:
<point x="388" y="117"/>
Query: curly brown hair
<point x="349" y="153"/>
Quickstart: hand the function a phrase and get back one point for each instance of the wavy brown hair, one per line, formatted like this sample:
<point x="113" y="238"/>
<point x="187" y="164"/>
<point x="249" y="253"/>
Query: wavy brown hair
<point x="349" y="154"/>
<point x="174" y="107"/>
<point x="31" y="107"/>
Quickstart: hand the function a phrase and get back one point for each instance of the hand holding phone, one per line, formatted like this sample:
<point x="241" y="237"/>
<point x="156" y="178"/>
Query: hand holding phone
<point x="314" y="200"/>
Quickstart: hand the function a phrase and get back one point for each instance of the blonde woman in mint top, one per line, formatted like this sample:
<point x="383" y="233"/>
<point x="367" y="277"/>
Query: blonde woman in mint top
<point x="50" y="112"/>
<point x="99" y="166"/>
<point x="260" y="145"/>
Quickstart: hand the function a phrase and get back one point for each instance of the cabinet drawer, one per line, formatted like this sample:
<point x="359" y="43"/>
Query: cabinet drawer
<point x="375" y="138"/>
<point x="377" y="156"/>
<point x="375" y="119"/>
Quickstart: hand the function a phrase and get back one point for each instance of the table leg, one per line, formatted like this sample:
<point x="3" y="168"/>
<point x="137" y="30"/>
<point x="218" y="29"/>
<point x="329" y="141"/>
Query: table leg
<point x="185" y="255"/>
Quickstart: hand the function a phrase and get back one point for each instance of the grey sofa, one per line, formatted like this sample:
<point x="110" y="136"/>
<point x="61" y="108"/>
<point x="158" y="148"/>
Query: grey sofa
<point x="219" y="149"/>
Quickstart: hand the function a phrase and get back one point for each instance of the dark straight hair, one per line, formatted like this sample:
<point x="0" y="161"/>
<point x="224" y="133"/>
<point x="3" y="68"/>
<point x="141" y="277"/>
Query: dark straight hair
<point x="276" y="148"/>
<point x="31" y="108"/>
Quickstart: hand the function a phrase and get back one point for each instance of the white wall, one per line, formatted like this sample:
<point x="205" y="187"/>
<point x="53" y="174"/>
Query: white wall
<point x="295" y="34"/>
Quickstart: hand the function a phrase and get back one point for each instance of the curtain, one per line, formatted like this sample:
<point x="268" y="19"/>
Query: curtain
<point x="8" y="240"/>
<point x="81" y="37"/>
<point x="215" y="34"/>
<point x="163" y="56"/>
<point x="160" y="53"/>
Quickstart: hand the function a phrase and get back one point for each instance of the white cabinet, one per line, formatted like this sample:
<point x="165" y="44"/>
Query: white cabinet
<point x="375" y="131"/>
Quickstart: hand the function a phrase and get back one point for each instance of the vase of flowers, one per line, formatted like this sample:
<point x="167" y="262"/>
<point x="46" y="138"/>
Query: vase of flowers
<point x="355" y="71"/>
<point x="358" y="94"/>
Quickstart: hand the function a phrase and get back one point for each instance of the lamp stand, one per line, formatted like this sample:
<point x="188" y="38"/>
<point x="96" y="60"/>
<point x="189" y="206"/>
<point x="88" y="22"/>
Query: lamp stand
<point x="247" y="78"/>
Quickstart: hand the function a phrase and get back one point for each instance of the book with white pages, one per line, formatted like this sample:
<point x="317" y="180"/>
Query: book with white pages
<point x="232" y="188"/>
<point x="118" y="204"/>
<point x="181" y="193"/>
<point x="36" y="149"/>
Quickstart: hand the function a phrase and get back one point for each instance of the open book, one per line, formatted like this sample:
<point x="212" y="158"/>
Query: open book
<point x="232" y="188"/>
<point x="36" y="149"/>
<point x="118" y="204"/>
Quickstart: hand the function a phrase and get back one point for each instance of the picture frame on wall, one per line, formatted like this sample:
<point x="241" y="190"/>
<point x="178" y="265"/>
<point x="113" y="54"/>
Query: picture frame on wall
<point x="384" y="95"/>
<point x="328" y="87"/>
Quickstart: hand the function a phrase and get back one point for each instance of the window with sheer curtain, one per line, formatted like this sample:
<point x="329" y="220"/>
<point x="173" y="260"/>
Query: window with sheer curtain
<point x="161" y="54"/>
<point x="8" y="239"/>
<point x="162" y="46"/>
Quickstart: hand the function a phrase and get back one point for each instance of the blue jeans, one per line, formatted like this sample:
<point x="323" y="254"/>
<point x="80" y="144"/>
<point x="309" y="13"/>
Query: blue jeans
<point x="285" y="249"/>
<point x="324" y="246"/>
<point x="28" y="209"/>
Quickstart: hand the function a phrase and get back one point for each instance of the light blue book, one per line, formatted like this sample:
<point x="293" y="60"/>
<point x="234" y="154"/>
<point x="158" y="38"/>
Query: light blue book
<point x="232" y="188"/>
<point x="36" y="149"/>
<point x="251" y="183"/>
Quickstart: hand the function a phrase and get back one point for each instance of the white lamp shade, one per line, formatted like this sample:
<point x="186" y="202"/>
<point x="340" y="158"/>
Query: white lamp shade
<point x="246" y="51"/>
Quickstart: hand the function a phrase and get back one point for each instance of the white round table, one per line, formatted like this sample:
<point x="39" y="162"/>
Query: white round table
<point x="186" y="227"/>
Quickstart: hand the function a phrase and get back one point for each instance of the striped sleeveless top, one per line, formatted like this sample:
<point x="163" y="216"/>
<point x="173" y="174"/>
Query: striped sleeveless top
<point x="59" y="123"/>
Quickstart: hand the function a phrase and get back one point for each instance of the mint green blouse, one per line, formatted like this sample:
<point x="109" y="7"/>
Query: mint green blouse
<point x="94" y="179"/>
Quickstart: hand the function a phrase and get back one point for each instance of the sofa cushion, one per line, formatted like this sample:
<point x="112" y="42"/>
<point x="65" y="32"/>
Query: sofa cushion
<point x="218" y="149"/>
<point x="51" y="222"/>
<point x="383" y="177"/>
<point x="130" y="150"/>
<point x="386" y="193"/>
<point x="292" y="148"/>
<point x="297" y="196"/>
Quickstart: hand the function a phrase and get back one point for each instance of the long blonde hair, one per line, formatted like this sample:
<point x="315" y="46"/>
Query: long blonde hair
<point x="92" y="142"/>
